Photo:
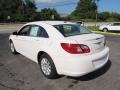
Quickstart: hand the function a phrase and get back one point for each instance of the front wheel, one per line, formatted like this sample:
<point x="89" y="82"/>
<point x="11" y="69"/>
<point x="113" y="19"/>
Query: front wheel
<point x="47" y="66"/>
<point x="13" y="48"/>
<point x="105" y="29"/>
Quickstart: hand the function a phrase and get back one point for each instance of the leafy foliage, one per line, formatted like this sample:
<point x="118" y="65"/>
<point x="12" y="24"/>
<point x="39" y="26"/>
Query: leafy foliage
<point x="86" y="9"/>
<point x="25" y="10"/>
<point x="103" y="16"/>
<point x="48" y="14"/>
<point x="107" y="16"/>
<point x="17" y="10"/>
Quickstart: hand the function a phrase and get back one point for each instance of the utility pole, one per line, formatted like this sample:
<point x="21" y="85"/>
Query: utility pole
<point x="23" y="8"/>
<point x="9" y="18"/>
<point x="52" y="16"/>
<point x="96" y="13"/>
<point x="96" y="18"/>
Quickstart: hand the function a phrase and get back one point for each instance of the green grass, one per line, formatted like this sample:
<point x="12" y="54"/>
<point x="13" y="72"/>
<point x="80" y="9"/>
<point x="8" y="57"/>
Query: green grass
<point x="114" y="31"/>
<point x="93" y="28"/>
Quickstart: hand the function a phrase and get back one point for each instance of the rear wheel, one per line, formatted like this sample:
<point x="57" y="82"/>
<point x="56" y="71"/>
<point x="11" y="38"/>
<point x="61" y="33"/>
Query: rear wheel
<point x="13" y="48"/>
<point x="105" y="29"/>
<point x="47" y="66"/>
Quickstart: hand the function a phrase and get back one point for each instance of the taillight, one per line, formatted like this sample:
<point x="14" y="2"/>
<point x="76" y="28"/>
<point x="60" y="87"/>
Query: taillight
<point x="85" y="48"/>
<point x="75" y="48"/>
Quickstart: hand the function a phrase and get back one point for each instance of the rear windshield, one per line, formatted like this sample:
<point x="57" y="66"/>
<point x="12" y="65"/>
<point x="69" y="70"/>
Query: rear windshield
<point x="71" y="29"/>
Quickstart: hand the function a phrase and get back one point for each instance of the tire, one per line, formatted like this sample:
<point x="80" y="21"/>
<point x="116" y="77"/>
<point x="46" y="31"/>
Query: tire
<point x="105" y="29"/>
<point x="13" y="50"/>
<point x="47" y="66"/>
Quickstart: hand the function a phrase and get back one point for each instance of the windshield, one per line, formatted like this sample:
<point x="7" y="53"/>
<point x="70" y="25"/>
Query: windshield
<point x="71" y="29"/>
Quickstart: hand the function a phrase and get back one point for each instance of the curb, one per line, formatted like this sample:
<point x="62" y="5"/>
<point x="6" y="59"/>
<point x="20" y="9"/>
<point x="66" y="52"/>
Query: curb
<point x="118" y="34"/>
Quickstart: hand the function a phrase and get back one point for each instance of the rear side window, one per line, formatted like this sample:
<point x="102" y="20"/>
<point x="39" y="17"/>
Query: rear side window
<point x="79" y="22"/>
<point x="38" y="31"/>
<point x="34" y="31"/>
<point x="43" y="33"/>
<point x="116" y="24"/>
<point x="72" y="29"/>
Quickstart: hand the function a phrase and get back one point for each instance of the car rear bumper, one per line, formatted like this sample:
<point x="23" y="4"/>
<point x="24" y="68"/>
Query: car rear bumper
<point x="82" y="65"/>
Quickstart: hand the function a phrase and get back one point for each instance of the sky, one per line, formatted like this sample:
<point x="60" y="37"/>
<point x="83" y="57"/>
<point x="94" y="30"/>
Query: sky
<point x="67" y="6"/>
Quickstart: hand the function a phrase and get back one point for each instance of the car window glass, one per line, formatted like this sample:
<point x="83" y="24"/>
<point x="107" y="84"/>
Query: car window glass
<point x="79" y="22"/>
<point x="71" y="29"/>
<point x="38" y="31"/>
<point x="24" y="31"/>
<point x="34" y="31"/>
<point x="116" y="24"/>
<point x="42" y="33"/>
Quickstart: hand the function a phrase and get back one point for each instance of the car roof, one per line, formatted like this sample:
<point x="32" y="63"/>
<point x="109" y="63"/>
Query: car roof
<point x="51" y="22"/>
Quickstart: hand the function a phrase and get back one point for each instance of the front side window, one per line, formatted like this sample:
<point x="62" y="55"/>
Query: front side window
<point x="24" y="31"/>
<point x="71" y="29"/>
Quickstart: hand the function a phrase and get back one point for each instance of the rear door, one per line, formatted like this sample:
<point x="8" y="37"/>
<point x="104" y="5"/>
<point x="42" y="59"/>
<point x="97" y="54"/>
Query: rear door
<point x="38" y="39"/>
<point x="115" y="26"/>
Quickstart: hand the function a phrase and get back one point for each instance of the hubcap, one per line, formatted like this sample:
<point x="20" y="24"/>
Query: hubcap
<point x="45" y="66"/>
<point x="12" y="47"/>
<point x="105" y="30"/>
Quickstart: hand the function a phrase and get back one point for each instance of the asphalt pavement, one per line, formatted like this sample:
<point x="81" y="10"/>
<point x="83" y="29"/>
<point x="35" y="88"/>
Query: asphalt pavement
<point x="20" y="73"/>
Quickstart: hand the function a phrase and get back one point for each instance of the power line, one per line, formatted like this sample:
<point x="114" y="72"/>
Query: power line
<point x="65" y="1"/>
<point x="59" y="4"/>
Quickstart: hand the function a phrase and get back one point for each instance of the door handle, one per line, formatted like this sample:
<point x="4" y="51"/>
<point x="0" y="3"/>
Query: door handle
<point x="36" y="40"/>
<point x="22" y="38"/>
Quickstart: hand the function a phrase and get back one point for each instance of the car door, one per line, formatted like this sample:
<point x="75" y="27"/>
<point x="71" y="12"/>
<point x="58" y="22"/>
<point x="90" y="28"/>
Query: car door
<point x="115" y="26"/>
<point x="21" y="38"/>
<point x="37" y="41"/>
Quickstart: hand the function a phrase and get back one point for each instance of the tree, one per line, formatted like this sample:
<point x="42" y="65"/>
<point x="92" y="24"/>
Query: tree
<point x="115" y="16"/>
<point x="103" y="16"/>
<point x="47" y="13"/>
<point x="8" y="8"/>
<point x="18" y="10"/>
<point x="30" y="10"/>
<point x="86" y="9"/>
<point x="107" y="16"/>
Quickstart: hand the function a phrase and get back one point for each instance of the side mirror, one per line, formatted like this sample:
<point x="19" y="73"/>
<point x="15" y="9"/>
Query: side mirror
<point x="15" y="33"/>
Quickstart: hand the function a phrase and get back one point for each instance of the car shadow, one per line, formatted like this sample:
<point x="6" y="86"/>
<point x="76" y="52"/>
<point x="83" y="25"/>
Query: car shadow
<point x="95" y="74"/>
<point x="114" y="31"/>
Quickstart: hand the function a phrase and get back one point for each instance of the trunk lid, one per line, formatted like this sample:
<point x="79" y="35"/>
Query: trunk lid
<point x="95" y="42"/>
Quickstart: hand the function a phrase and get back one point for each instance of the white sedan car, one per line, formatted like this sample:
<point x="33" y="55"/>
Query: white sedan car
<point x="59" y="47"/>
<point x="110" y="27"/>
